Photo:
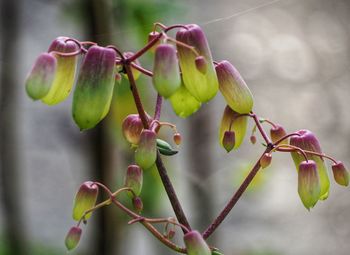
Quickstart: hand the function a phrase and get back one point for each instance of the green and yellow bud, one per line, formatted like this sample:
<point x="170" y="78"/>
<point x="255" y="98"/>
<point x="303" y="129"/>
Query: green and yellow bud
<point x="308" y="141"/>
<point x="183" y="103"/>
<point x="308" y="183"/>
<point x="203" y="86"/>
<point x="277" y="132"/>
<point x="94" y="89"/>
<point x="84" y="200"/>
<point x="233" y="121"/>
<point x="228" y="141"/>
<point x="132" y="127"/>
<point x="40" y="79"/>
<point x="133" y="180"/>
<point x="233" y="88"/>
<point x="146" y="152"/>
<point x="166" y="72"/>
<point x="340" y="174"/>
<point x="73" y="237"/>
<point x="195" y="244"/>
<point x="65" y="71"/>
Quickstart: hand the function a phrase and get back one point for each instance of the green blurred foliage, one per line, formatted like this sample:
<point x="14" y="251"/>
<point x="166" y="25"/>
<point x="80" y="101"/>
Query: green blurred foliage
<point x="34" y="249"/>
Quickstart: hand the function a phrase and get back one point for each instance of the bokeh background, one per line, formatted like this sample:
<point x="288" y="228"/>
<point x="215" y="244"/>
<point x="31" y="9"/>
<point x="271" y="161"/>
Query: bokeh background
<point x="293" y="54"/>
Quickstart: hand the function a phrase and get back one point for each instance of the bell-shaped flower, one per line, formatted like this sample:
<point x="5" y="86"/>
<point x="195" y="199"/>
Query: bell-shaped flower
<point x="195" y="244"/>
<point x="65" y="71"/>
<point x="94" y="89"/>
<point x="233" y="121"/>
<point x="73" y="237"/>
<point x="40" y="79"/>
<point x="340" y="174"/>
<point x="84" y="200"/>
<point x="166" y="72"/>
<point x="146" y="152"/>
<point x="233" y="88"/>
<point x="134" y="179"/>
<point x="202" y="86"/>
<point x="277" y="132"/>
<point x="308" y="141"/>
<point x="132" y="127"/>
<point x="228" y="141"/>
<point x="265" y="160"/>
<point x="308" y="183"/>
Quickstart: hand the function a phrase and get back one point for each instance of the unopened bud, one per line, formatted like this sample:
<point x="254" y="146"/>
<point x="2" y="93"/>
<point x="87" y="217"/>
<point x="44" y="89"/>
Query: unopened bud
<point x="277" y="132"/>
<point x="137" y="203"/>
<point x="146" y="152"/>
<point x="171" y="233"/>
<point x="340" y="174"/>
<point x="195" y="244"/>
<point x="308" y="183"/>
<point x="40" y="79"/>
<point x="233" y="88"/>
<point x="177" y="138"/>
<point x="132" y="127"/>
<point x="166" y="72"/>
<point x="253" y="139"/>
<point x="73" y="238"/>
<point x="118" y="78"/>
<point x="133" y="179"/>
<point x="201" y="64"/>
<point x="228" y="141"/>
<point x="265" y="160"/>
<point x="84" y="200"/>
<point x="151" y="36"/>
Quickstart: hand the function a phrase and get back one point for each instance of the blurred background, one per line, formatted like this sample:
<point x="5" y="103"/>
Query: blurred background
<point x="293" y="54"/>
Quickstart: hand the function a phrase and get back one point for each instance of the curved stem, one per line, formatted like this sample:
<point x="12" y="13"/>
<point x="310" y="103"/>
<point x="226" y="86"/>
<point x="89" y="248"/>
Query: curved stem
<point x="285" y="137"/>
<point x="261" y="130"/>
<point x="141" y="69"/>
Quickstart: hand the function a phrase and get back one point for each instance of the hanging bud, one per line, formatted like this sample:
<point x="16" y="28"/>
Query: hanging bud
<point x="146" y="152"/>
<point x="132" y="127"/>
<point x="171" y="233"/>
<point x="308" y="141"/>
<point x="253" y="139"/>
<point x="177" y="138"/>
<point x="195" y="244"/>
<point x="137" y="203"/>
<point x="202" y="86"/>
<point x="166" y="72"/>
<point x="308" y="183"/>
<point x="151" y="36"/>
<point x="73" y="238"/>
<point x="84" y="200"/>
<point x="94" y="89"/>
<point x="277" y="132"/>
<point x="65" y="71"/>
<point x="233" y="88"/>
<point x="136" y="73"/>
<point x="118" y="77"/>
<point x="340" y="174"/>
<point x="133" y="179"/>
<point x="183" y="103"/>
<point x="228" y="141"/>
<point x="201" y="64"/>
<point x="265" y="160"/>
<point x="40" y="79"/>
<point x="233" y="121"/>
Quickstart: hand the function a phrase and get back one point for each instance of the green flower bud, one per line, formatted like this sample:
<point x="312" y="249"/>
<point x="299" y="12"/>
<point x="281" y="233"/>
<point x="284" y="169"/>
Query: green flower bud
<point x="202" y="86"/>
<point x="340" y="174"/>
<point x="183" y="103"/>
<point x="308" y="183"/>
<point x="308" y="141"/>
<point x="228" y="141"/>
<point x="233" y="121"/>
<point x="166" y="72"/>
<point x="233" y="88"/>
<point x="132" y="127"/>
<point x="133" y="179"/>
<point x="265" y="160"/>
<point x="146" y="152"/>
<point x="277" y="132"/>
<point x="195" y="244"/>
<point x="73" y="238"/>
<point x="84" y="200"/>
<point x="65" y="71"/>
<point x="40" y="79"/>
<point x="94" y="89"/>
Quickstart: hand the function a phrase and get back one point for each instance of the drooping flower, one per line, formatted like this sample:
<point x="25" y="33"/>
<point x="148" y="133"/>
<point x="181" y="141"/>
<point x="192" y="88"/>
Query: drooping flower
<point x="340" y="174"/>
<point x="265" y="160"/>
<point x="132" y="127"/>
<point x="228" y="141"/>
<point x="146" y="152"/>
<point x="84" y="200"/>
<point x="73" y="237"/>
<point x="195" y="244"/>
<point x="277" y="132"/>
<point x="134" y="179"/>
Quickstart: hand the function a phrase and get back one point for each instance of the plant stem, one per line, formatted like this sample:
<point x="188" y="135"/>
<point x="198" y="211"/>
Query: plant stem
<point x="231" y="203"/>
<point x="261" y="130"/>
<point x="158" y="107"/>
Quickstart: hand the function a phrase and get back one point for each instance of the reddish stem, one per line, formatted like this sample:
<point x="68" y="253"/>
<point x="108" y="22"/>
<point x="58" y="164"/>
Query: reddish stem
<point x="261" y="130"/>
<point x="158" y="107"/>
<point x="141" y="69"/>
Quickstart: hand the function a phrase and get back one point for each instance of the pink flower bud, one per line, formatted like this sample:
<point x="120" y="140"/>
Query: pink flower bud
<point x="253" y="139"/>
<point x="177" y="138"/>
<point x="228" y="141"/>
<point x="133" y="179"/>
<point x="341" y="175"/>
<point x="308" y="183"/>
<point x="308" y="141"/>
<point x="201" y="64"/>
<point x="277" y="132"/>
<point x="265" y="160"/>
<point x="202" y="86"/>
<point x="73" y="238"/>
<point x="132" y="127"/>
<point x="40" y="79"/>
<point x="137" y="203"/>
<point x="166" y="72"/>
<point x="146" y="152"/>
<point x="233" y="88"/>
<point x="84" y="200"/>
<point x="195" y="244"/>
